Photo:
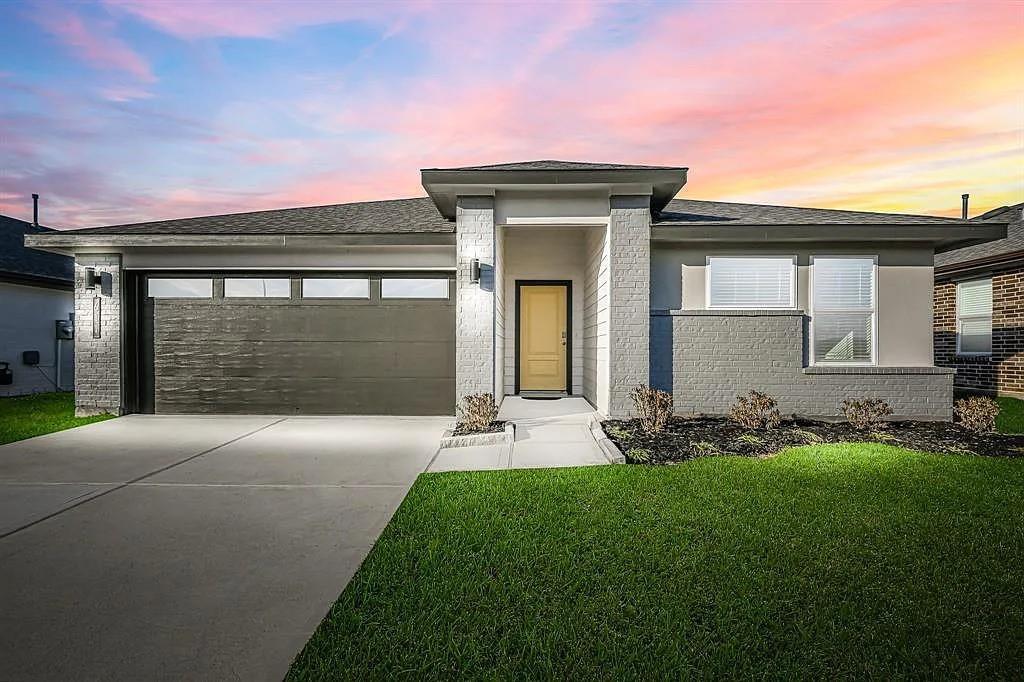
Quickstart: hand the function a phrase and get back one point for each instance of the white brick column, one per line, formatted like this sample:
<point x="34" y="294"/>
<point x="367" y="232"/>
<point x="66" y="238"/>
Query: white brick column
<point x="474" y="302"/>
<point x="98" y="336"/>
<point x="629" y="256"/>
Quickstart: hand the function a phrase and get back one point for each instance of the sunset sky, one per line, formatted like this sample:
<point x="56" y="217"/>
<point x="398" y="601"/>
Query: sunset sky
<point x="128" y="110"/>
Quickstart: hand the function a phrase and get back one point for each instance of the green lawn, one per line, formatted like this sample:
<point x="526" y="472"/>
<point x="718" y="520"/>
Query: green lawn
<point x="825" y="562"/>
<point x="1011" y="415"/>
<point x="34" y="415"/>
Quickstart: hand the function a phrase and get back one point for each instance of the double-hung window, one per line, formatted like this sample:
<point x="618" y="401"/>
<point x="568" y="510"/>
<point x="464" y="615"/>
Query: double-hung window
<point x="751" y="282"/>
<point x="974" y="317"/>
<point x="843" y="310"/>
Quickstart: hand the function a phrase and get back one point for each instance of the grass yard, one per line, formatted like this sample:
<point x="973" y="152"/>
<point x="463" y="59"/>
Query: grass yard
<point x="827" y="562"/>
<point x="1011" y="415"/>
<point x="33" y="415"/>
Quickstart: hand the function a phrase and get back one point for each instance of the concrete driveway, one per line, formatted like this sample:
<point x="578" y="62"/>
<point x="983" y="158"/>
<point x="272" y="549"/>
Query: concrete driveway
<point x="190" y="547"/>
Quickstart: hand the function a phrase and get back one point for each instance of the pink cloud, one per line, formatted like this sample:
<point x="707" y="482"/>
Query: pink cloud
<point x="95" y="43"/>
<point x="213" y="19"/>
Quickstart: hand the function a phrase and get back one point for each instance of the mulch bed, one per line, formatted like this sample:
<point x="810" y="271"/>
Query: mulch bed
<point x="686" y="439"/>
<point x="495" y="427"/>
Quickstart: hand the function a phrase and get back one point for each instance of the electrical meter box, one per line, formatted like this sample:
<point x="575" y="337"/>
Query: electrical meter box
<point x="65" y="330"/>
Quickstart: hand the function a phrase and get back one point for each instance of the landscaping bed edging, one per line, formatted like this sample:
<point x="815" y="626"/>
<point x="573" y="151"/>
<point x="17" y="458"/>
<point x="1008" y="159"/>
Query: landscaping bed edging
<point x="608" y="448"/>
<point x="690" y="438"/>
<point x="504" y="437"/>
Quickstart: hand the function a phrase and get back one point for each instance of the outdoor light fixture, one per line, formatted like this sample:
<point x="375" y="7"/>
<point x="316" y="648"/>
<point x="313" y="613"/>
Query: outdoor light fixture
<point x="91" y="280"/>
<point x="474" y="271"/>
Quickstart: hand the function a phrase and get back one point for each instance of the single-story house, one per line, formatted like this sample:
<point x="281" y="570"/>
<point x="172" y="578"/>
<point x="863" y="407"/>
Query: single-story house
<point x="36" y="295"/>
<point x="979" y="309"/>
<point x="537" y="278"/>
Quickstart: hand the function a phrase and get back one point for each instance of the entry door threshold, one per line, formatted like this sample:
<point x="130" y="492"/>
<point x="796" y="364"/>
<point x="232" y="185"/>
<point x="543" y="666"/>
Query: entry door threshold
<point x="543" y="395"/>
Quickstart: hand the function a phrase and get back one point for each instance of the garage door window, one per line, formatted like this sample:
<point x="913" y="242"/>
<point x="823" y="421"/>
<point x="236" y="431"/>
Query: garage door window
<point x="414" y="288"/>
<point x="335" y="287"/>
<point x="166" y="287"/>
<point x="256" y="287"/>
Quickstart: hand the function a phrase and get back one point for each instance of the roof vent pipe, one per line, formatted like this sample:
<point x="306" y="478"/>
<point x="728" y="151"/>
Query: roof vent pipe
<point x="966" y="198"/>
<point x="35" y="210"/>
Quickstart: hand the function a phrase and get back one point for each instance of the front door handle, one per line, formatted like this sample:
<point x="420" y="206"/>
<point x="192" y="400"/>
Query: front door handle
<point x="563" y="338"/>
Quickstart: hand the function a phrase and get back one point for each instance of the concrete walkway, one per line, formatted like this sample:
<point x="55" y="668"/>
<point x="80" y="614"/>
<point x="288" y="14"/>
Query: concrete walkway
<point x="196" y="548"/>
<point x="549" y="433"/>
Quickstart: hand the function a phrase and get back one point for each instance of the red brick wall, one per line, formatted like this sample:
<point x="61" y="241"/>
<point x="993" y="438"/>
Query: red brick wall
<point x="1003" y="372"/>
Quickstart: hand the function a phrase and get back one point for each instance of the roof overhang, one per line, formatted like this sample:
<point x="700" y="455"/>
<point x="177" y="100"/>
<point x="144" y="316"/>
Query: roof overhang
<point x="941" y="237"/>
<point x="444" y="186"/>
<point x="67" y="243"/>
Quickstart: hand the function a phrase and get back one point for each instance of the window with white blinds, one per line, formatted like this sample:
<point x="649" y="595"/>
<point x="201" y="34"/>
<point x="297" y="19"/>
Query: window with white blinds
<point x="974" y="317"/>
<point x="751" y="282"/>
<point x="843" y="310"/>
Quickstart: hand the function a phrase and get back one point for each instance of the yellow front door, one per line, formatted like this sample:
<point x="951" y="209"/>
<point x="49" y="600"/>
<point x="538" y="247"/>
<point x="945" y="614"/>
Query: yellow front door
<point x="542" y="337"/>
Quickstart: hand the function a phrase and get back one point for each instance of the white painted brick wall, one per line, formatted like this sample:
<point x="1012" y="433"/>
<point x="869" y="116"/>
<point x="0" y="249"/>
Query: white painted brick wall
<point x="98" y="360"/>
<point x="474" y="312"/>
<point x="595" y="319"/>
<point x="629" y="252"/>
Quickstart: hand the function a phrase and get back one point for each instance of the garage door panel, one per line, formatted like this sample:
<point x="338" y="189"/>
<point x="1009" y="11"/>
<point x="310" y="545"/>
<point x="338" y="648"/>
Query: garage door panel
<point x="307" y="396"/>
<point x="345" y="359"/>
<point x="291" y="356"/>
<point x="276" y="323"/>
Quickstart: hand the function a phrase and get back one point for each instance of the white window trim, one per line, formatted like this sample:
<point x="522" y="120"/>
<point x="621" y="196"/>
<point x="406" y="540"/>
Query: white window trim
<point x="874" y="311"/>
<point x="794" y="279"/>
<point x="956" y="314"/>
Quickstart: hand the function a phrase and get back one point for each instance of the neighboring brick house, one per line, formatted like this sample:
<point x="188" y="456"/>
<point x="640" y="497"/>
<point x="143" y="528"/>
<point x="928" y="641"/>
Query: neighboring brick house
<point x="542" y="278"/>
<point x="979" y="309"/>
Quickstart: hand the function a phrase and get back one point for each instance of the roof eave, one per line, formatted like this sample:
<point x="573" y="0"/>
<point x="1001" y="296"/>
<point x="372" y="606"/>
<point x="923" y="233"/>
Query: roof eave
<point x="69" y="242"/>
<point x="941" y="237"/>
<point x="445" y="185"/>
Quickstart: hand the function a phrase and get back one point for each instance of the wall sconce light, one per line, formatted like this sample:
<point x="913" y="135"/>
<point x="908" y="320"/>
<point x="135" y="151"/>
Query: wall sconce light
<point x="91" y="280"/>
<point x="474" y="271"/>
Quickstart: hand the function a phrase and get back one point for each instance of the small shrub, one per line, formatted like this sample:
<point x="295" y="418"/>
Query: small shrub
<point x="653" y="407"/>
<point x="638" y="455"/>
<point x="618" y="433"/>
<point x="477" y="412"/>
<point x="807" y="437"/>
<point x="705" y="449"/>
<point x="756" y="410"/>
<point x="977" y="413"/>
<point x="750" y="439"/>
<point x="865" y="413"/>
<point x="882" y="437"/>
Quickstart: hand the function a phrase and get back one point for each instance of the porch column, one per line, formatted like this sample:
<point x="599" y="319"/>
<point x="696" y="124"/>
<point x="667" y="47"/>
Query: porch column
<point x="629" y="264"/>
<point x="98" y="336"/>
<point x="474" y="301"/>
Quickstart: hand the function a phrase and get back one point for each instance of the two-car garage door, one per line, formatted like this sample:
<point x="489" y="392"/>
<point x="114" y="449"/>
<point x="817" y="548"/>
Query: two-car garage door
<point x="299" y="343"/>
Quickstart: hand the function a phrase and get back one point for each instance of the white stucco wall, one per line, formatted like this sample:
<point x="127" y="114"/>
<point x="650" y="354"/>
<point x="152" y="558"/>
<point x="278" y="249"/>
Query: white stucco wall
<point x="551" y="207"/>
<point x="27" y="316"/>
<point x="544" y="253"/>
<point x="905" y="281"/>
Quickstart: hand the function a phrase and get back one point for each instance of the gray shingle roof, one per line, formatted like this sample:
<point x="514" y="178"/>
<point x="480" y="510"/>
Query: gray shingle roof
<point x="20" y="261"/>
<point x="393" y="216"/>
<point x="1014" y="242"/>
<point x="554" y="165"/>
<point x="690" y="212"/>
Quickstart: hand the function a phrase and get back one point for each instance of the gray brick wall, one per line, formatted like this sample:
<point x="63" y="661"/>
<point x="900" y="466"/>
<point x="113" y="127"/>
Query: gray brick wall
<point x="474" y="312"/>
<point x="707" y="358"/>
<point x="97" y="340"/>
<point x="629" y="237"/>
